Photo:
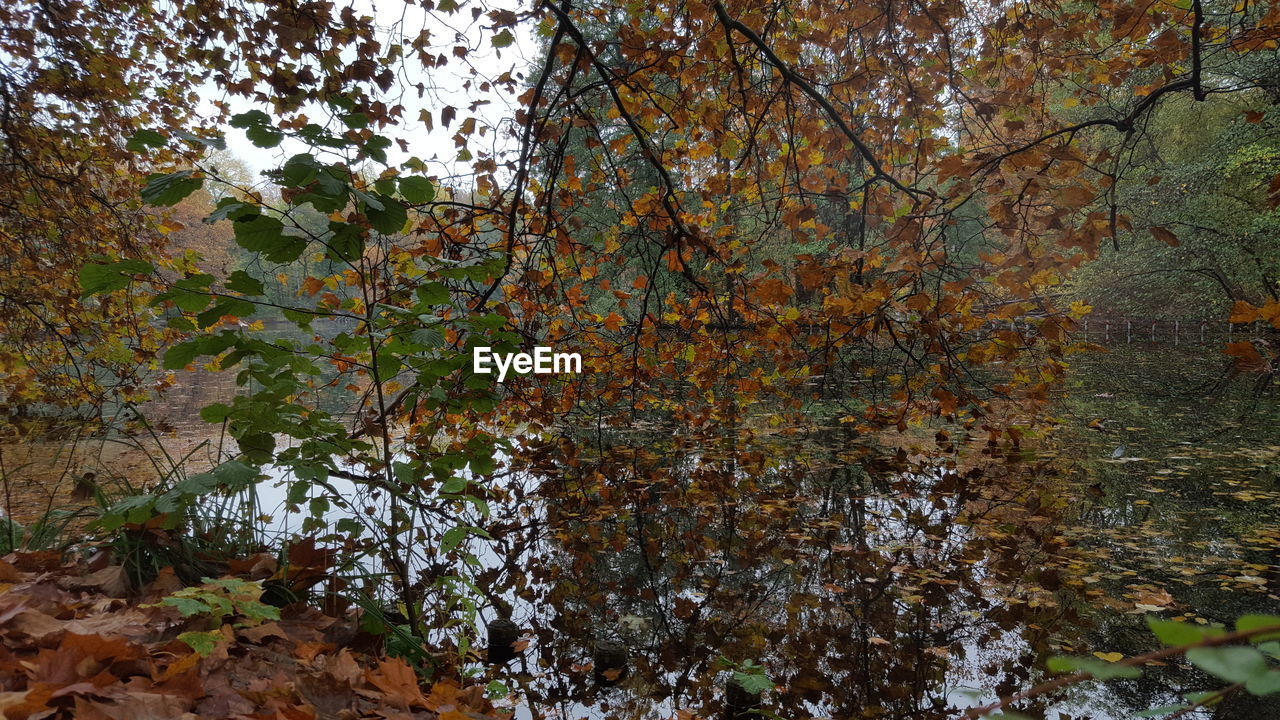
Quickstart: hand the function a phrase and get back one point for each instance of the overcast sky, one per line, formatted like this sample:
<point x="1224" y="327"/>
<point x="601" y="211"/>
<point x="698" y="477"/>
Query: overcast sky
<point x="445" y="87"/>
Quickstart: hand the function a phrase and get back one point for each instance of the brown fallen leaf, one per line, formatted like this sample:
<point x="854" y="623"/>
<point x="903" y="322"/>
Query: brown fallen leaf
<point x="9" y="573"/>
<point x="397" y="680"/>
<point x="110" y="581"/>
<point x="258" y="633"/>
<point x="35" y="624"/>
<point x="35" y="561"/>
<point x="139" y="706"/>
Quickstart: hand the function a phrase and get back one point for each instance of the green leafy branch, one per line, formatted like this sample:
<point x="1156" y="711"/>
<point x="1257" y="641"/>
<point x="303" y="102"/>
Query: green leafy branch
<point x="1210" y="648"/>
<point x="218" y="600"/>
<point x="748" y="675"/>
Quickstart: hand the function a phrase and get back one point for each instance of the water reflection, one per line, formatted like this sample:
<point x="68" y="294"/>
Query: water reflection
<point x="866" y="587"/>
<point x="880" y="584"/>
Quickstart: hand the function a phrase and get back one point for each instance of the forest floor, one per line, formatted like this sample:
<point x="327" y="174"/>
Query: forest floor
<point x="77" y="642"/>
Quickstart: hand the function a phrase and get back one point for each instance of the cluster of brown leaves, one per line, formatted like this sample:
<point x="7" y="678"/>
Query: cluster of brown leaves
<point x="75" y="646"/>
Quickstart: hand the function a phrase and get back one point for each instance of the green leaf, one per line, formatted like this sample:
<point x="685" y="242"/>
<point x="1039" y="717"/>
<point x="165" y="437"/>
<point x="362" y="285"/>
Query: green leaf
<point x="215" y="413"/>
<point x="1234" y="664"/>
<point x="346" y="242"/>
<point x="483" y="464"/>
<point x="1254" y="622"/>
<point x="376" y="147"/>
<point x="264" y="136"/>
<point x="371" y="201"/>
<point x="257" y="232"/>
<point x="190" y="294"/>
<point x="503" y="39"/>
<point x="228" y="208"/>
<point x="225" y="306"/>
<point x="1208" y="697"/>
<point x="387" y="364"/>
<point x="417" y="190"/>
<point x="187" y="606"/>
<point x="454" y="485"/>
<point x="258" y="446"/>
<point x="244" y="283"/>
<point x="144" y="139"/>
<point x="453" y="537"/>
<point x="215" y="142"/>
<point x="264" y="235"/>
<point x="249" y="119"/>
<point x="235" y="475"/>
<point x="1180" y="633"/>
<point x="100" y="278"/>
<point x="390" y="219"/>
<point x="258" y="611"/>
<point x="495" y="690"/>
<point x="298" y="493"/>
<point x="490" y="321"/>
<point x="433" y="293"/>
<point x="181" y="355"/>
<point x="300" y="170"/>
<point x="1267" y="683"/>
<point x="202" y="642"/>
<point x="1100" y="669"/>
<point x="191" y="301"/>
<point x="753" y="682"/>
<point x="301" y="318"/>
<point x="163" y="190"/>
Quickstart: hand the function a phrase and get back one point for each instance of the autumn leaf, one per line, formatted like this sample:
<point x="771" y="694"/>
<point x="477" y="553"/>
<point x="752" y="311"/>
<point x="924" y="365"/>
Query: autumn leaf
<point x="395" y="678"/>
<point x="1164" y="236"/>
<point x="1247" y="357"/>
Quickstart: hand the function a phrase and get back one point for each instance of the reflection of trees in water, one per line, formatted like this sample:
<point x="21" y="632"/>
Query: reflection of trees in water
<point x="179" y="405"/>
<point x="855" y="589"/>
<point x="1170" y="513"/>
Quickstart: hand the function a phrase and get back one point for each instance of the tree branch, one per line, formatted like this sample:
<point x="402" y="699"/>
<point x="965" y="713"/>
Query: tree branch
<point x="791" y="76"/>
<point x="1134" y="661"/>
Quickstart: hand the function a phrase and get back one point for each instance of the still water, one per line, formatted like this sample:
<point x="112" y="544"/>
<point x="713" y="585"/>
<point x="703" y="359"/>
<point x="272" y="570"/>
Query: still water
<point x="907" y="581"/>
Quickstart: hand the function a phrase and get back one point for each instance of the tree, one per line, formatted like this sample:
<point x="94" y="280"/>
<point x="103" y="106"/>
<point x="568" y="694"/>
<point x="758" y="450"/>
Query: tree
<point x="731" y="212"/>
<point x="75" y="83"/>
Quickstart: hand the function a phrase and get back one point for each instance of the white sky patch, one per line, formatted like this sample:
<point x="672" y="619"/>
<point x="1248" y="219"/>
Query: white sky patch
<point x="446" y="86"/>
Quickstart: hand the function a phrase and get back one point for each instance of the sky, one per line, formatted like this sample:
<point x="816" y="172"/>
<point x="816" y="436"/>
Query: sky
<point x="445" y="87"/>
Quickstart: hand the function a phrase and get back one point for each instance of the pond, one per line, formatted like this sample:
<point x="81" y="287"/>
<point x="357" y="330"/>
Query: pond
<point x="908" y="582"/>
<point x="897" y="576"/>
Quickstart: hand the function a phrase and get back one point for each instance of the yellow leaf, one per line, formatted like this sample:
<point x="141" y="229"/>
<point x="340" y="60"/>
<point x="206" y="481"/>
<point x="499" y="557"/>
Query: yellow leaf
<point x="1109" y="656"/>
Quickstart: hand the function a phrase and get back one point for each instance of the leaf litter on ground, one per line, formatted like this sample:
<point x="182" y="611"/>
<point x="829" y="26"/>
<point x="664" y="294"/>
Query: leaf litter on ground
<point x="75" y="644"/>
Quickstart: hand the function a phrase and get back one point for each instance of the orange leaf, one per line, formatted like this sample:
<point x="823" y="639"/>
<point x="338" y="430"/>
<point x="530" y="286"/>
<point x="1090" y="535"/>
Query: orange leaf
<point x="1165" y="236"/>
<point x="1243" y="312"/>
<point x="312" y="285"/>
<point x="1247" y="357"/>
<point x="395" y="678"/>
<point x="1270" y="312"/>
<point x="773" y="290"/>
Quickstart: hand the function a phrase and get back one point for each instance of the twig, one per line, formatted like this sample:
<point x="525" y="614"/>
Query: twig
<point x="1137" y="660"/>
